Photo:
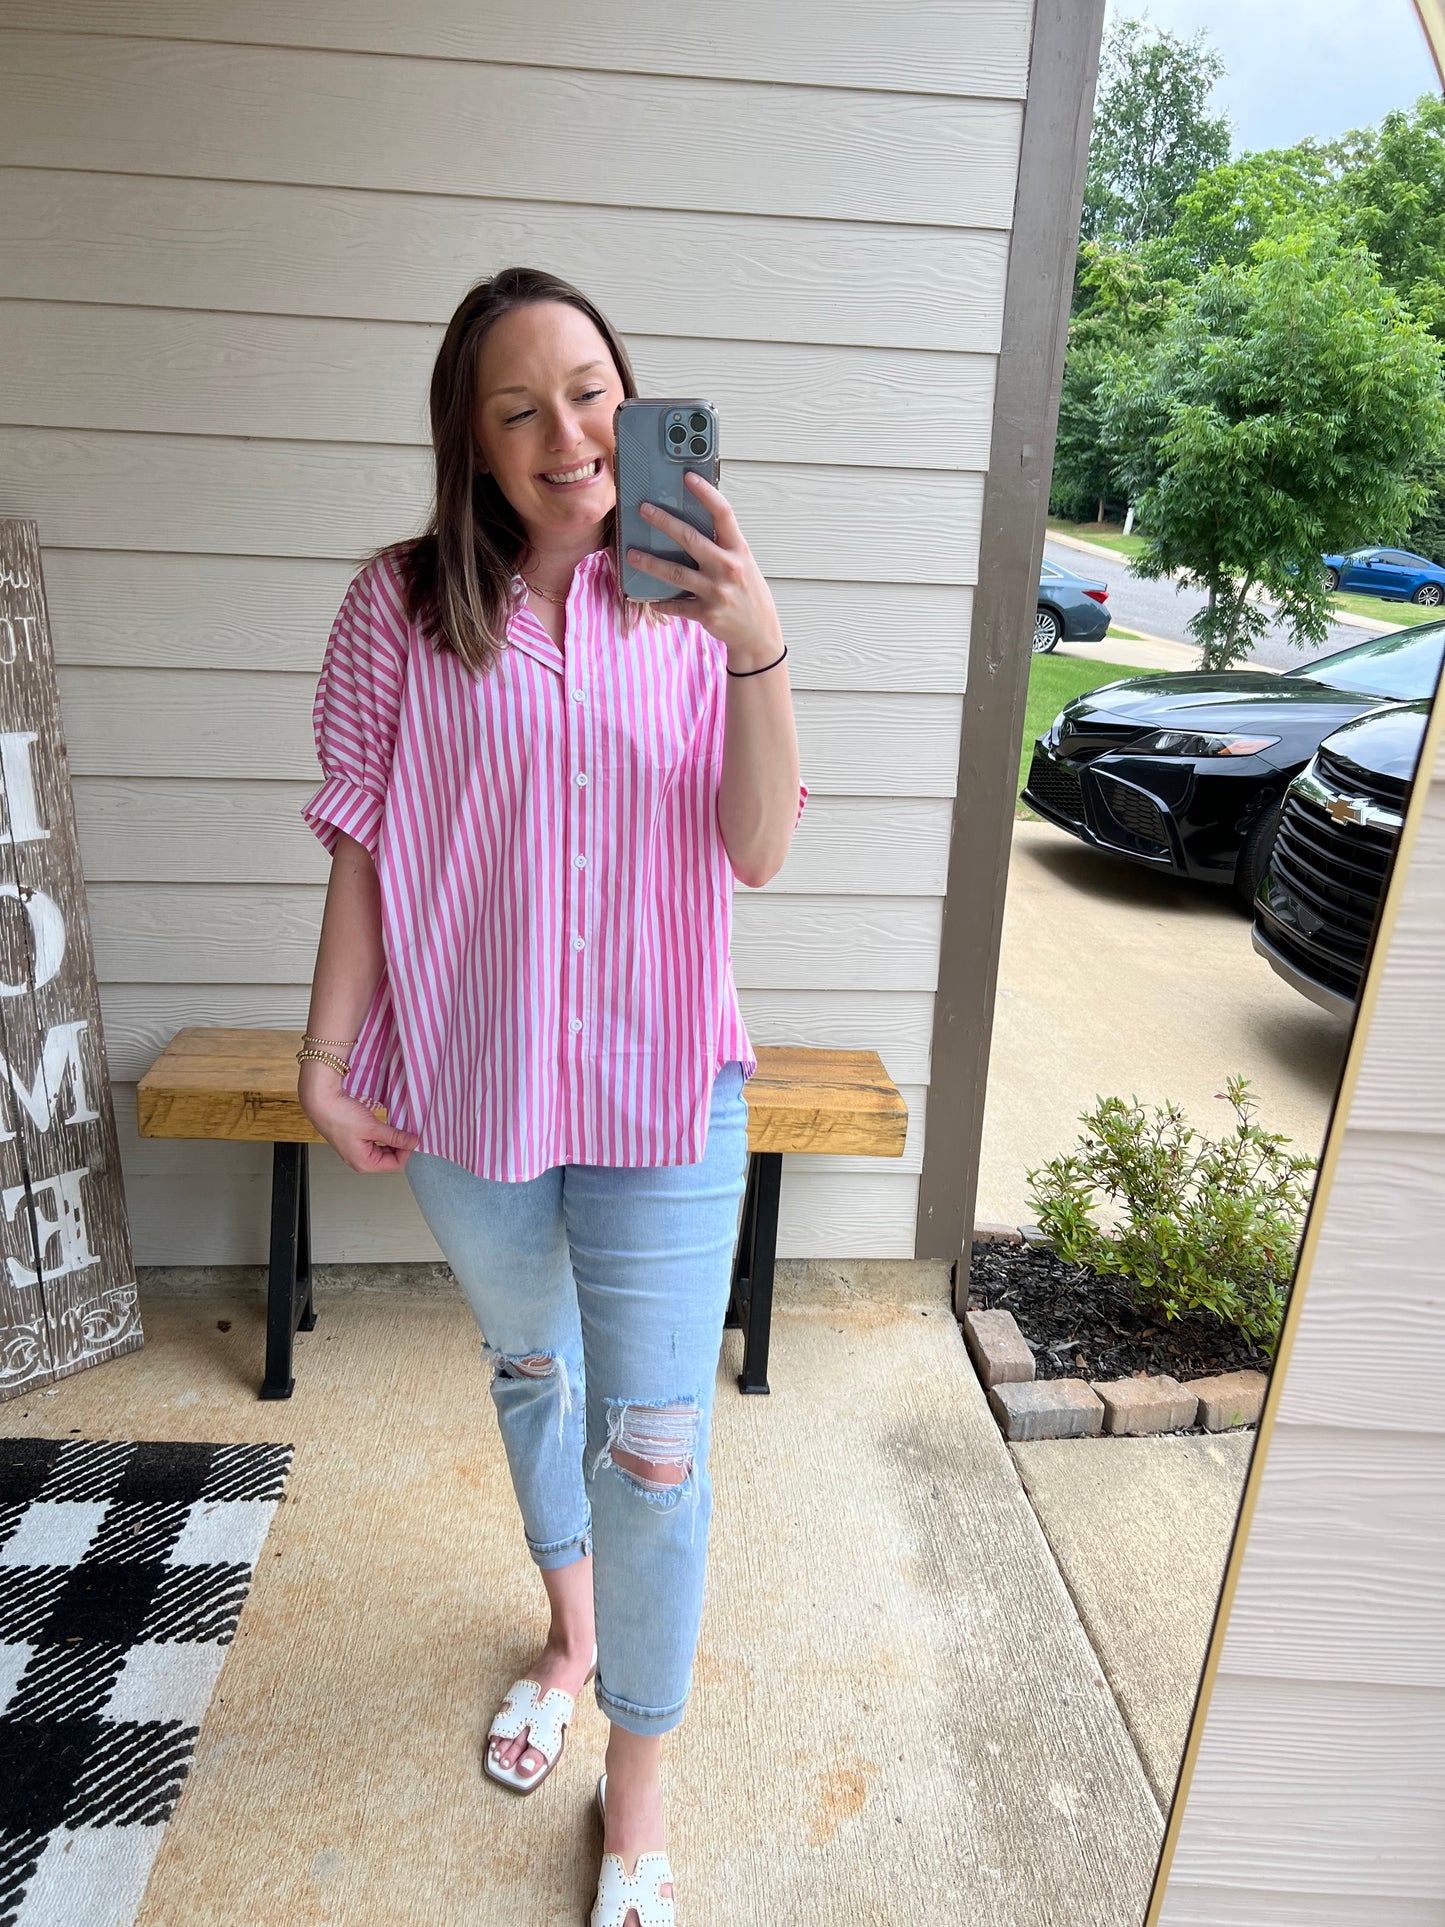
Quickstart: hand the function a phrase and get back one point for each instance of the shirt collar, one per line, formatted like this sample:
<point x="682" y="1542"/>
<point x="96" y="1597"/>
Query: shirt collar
<point x="524" y="632"/>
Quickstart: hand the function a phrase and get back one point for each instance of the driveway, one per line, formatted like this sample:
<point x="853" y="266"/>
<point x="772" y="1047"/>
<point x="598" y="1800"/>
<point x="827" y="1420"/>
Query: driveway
<point x="1114" y="981"/>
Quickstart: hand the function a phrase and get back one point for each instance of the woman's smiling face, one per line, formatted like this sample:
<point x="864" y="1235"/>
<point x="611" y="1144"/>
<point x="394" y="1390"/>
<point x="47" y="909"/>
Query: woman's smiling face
<point x="547" y="388"/>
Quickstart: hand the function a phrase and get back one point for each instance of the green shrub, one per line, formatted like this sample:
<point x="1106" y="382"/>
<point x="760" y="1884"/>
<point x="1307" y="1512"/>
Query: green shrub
<point x="1206" y="1226"/>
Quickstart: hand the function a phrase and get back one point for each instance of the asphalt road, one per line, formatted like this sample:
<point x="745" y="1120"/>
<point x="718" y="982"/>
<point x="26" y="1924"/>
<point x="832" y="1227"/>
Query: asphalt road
<point x="1163" y="609"/>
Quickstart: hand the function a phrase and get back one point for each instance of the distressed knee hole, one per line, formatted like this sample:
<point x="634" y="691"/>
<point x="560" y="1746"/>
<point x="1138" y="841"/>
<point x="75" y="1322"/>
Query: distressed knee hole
<point x="531" y="1368"/>
<point x="652" y="1446"/>
<point x="538" y="1366"/>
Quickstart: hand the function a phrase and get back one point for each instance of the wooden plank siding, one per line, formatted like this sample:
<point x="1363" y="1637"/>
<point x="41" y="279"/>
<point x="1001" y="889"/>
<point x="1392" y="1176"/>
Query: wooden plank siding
<point x="111" y="103"/>
<point x="933" y="46"/>
<point x="234" y="231"/>
<point x="1319" y="1783"/>
<point x="342" y="252"/>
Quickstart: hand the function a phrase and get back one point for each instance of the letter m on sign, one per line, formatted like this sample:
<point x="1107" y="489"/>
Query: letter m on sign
<point x="67" y="1281"/>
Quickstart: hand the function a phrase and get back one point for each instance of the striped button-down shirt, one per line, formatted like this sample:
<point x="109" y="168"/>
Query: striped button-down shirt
<point x="556" y="899"/>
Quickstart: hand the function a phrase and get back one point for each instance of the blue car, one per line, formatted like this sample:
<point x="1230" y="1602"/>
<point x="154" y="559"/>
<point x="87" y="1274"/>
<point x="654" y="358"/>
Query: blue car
<point x="1393" y="573"/>
<point x="1071" y="608"/>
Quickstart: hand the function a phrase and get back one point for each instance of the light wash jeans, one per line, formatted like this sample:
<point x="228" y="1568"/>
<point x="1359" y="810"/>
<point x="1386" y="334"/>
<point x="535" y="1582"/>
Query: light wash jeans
<point x="600" y="1291"/>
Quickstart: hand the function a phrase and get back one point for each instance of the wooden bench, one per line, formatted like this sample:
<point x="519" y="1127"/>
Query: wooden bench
<point x="241" y="1084"/>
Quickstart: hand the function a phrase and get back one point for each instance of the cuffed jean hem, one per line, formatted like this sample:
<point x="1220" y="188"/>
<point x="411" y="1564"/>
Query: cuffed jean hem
<point x="638" y="1719"/>
<point x="566" y="1553"/>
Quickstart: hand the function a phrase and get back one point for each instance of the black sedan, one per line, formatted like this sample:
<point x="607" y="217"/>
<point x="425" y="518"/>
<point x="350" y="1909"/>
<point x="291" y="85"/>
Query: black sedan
<point x="1187" y="773"/>
<point x="1071" y="608"/>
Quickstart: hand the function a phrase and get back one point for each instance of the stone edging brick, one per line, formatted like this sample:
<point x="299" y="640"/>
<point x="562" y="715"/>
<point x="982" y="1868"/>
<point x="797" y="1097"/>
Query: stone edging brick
<point x="1027" y="1407"/>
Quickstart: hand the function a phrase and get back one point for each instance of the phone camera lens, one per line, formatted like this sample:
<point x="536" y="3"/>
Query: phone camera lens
<point x="698" y="445"/>
<point x="697" y="423"/>
<point x="677" y="434"/>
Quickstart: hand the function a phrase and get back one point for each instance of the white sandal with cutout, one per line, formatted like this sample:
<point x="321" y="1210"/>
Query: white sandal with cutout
<point x="543" y="1717"/>
<point x="620" y="1893"/>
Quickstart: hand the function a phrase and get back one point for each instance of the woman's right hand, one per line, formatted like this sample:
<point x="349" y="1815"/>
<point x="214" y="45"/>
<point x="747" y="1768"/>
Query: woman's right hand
<point x="357" y="1137"/>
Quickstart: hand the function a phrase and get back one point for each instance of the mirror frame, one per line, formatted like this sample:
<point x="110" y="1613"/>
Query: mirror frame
<point x="1404" y="876"/>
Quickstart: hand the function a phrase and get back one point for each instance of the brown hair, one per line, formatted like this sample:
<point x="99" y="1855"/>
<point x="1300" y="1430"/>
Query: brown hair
<point x="457" y="574"/>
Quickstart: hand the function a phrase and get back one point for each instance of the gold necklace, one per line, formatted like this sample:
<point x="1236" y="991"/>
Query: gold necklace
<point x="560" y="600"/>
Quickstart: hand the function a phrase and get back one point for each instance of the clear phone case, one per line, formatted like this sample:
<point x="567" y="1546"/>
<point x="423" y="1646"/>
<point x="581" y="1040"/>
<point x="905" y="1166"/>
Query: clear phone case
<point x="650" y="464"/>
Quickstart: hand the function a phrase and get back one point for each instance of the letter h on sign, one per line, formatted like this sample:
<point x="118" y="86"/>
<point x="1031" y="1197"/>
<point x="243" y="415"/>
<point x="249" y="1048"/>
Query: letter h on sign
<point x="67" y="1282"/>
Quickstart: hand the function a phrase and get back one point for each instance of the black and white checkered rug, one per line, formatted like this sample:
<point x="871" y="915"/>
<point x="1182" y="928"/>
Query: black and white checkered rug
<point x="123" y="1570"/>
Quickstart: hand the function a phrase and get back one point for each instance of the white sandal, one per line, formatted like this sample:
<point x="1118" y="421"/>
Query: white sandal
<point x="543" y="1717"/>
<point x="639" y="1892"/>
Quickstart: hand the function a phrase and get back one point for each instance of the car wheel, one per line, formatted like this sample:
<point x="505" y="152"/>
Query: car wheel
<point x="1255" y="851"/>
<point x="1332" y="580"/>
<point x="1429" y="595"/>
<point x="1047" y="630"/>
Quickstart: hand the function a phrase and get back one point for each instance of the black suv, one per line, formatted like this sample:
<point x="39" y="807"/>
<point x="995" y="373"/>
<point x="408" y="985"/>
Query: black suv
<point x="1319" y="899"/>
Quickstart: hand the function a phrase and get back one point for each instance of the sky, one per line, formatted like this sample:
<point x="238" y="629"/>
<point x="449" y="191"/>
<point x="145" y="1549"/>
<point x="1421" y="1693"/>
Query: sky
<point x="1299" y="67"/>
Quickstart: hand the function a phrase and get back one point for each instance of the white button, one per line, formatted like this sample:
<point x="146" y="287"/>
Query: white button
<point x="577" y="695"/>
<point x="581" y="779"/>
<point x="580" y="861"/>
<point x="576" y="1024"/>
<point x="579" y="943"/>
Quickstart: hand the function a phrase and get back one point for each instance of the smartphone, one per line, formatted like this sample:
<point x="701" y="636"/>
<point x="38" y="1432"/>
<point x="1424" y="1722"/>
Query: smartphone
<point x="658" y="441"/>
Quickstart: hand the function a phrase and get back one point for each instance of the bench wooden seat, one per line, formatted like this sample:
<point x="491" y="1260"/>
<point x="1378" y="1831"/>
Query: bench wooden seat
<point x="241" y="1084"/>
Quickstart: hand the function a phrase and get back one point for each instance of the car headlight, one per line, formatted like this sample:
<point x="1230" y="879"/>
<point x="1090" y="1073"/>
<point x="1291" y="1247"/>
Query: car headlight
<point x="1184" y="742"/>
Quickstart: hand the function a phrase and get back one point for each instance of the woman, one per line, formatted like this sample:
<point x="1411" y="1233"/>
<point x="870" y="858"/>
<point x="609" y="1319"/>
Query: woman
<point x="537" y="796"/>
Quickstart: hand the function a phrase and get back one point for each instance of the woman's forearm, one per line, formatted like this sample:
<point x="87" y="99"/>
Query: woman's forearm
<point x="349" y="955"/>
<point x="758" y="798"/>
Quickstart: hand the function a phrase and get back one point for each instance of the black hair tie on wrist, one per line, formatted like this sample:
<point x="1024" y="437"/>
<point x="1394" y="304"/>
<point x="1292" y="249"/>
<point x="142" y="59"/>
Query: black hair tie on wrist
<point x="761" y="667"/>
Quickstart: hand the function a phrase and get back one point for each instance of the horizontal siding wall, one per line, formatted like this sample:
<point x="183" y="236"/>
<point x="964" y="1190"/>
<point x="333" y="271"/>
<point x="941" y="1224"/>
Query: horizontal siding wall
<point x="233" y="233"/>
<point x="1320" y="1783"/>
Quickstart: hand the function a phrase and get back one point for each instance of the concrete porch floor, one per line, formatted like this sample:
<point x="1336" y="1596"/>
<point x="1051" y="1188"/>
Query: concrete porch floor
<point x="897" y="1714"/>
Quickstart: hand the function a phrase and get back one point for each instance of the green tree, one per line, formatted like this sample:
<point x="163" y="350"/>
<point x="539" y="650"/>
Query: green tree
<point x="1392" y="201"/>
<point x="1152" y="134"/>
<point x="1121" y="308"/>
<point x="1232" y="206"/>
<point x="1283" y="413"/>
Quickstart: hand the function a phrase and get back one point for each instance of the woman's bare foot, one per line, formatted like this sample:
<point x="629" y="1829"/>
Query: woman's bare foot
<point x="632" y="1823"/>
<point x="565" y="1660"/>
<point x="556" y="1666"/>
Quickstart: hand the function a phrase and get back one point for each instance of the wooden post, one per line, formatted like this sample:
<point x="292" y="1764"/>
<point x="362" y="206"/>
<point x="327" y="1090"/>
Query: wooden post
<point x="67" y="1282"/>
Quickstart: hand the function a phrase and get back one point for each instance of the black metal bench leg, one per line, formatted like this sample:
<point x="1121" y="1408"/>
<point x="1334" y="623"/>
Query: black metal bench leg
<point x="288" y="1292"/>
<point x="306" y="1321"/>
<point x="752" y="1299"/>
<point x="742" y="1251"/>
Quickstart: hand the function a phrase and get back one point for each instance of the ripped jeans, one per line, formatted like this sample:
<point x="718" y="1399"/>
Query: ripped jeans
<point x="600" y="1291"/>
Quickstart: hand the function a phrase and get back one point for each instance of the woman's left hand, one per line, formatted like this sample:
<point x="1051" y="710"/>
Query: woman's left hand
<point x="728" y="594"/>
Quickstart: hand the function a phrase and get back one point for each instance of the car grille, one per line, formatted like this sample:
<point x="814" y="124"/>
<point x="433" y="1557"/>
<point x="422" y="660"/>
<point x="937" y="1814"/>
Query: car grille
<point x="1314" y="964"/>
<point x="1134" y="814"/>
<point x="1338" y="775"/>
<point x="1338" y="872"/>
<point x="1056" y="786"/>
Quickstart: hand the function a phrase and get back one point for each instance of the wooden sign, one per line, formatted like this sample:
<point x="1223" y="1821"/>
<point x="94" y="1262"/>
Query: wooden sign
<point x="67" y="1283"/>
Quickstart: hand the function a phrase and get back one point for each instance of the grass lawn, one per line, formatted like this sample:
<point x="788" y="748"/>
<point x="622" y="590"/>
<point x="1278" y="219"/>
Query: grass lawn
<point x="1053" y="681"/>
<point x="1403" y="613"/>
<point x="1108" y="535"/>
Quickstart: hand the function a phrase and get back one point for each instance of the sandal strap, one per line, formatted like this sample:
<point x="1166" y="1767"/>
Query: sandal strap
<point x="617" y="1891"/>
<point x="546" y="1714"/>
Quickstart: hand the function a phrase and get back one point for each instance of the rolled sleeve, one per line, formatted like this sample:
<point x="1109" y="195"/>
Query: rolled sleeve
<point x="355" y="714"/>
<point x="802" y="799"/>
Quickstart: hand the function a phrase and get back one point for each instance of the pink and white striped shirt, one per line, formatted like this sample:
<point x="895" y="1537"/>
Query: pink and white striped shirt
<point x="556" y="898"/>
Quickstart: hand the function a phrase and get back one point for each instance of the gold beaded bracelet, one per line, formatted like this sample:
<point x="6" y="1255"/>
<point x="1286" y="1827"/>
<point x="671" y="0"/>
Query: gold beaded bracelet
<point x="328" y="1043"/>
<point x="325" y="1057"/>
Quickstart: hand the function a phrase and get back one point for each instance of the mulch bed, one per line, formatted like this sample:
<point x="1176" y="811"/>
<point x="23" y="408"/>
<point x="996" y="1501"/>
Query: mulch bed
<point x="1084" y="1324"/>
